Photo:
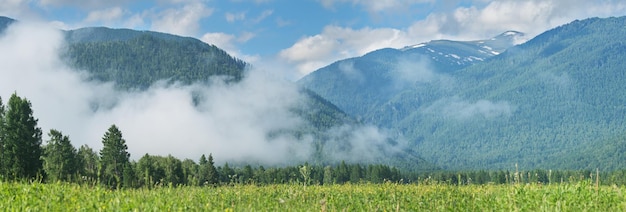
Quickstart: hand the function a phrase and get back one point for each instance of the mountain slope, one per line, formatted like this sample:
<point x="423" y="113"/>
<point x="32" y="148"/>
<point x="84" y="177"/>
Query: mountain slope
<point x="361" y="85"/>
<point x="548" y="103"/>
<point x="135" y="60"/>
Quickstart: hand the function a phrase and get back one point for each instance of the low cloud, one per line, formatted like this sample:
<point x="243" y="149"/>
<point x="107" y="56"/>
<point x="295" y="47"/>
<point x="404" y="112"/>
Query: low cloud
<point x="349" y="71"/>
<point x="233" y="121"/>
<point x="459" y="109"/>
<point x="363" y="144"/>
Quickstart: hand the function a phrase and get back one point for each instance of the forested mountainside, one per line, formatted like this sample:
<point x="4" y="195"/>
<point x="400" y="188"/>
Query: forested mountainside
<point x="135" y="60"/>
<point x="360" y="85"/>
<point x="554" y="102"/>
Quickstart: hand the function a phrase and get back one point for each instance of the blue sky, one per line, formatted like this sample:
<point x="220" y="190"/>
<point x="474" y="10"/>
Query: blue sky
<point x="294" y="37"/>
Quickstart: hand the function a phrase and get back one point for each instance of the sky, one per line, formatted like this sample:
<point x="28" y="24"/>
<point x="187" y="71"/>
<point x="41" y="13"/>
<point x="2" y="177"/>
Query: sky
<point x="296" y="37"/>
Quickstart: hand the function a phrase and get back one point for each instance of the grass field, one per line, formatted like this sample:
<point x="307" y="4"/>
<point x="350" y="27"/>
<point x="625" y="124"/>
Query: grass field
<point x="582" y="196"/>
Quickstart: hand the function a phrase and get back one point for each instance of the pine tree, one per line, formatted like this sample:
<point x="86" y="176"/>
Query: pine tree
<point x="212" y="175"/>
<point x="114" y="158"/>
<point x="203" y="170"/>
<point x="21" y="140"/>
<point x="60" y="157"/>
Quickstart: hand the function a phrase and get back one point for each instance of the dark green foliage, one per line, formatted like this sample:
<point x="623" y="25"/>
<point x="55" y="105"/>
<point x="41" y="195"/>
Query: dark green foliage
<point x="114" y="158"/>
<point x="553" y="102"/>
<point x="88" y="160"/>
<point x="136" y="59"/>
<point x="159" y="170"/>
<point x="61" y="160"/>
<point x="21" y="141"/>
<point x="562" y="85"/>
<point x="211" y="174"/>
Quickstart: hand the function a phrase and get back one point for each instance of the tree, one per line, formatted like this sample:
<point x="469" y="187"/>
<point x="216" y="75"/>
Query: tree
<point x="88" y="163"/>
<point x="60" y="157"/>
<point x="21" y="140"/>
<point x="212" y="176"/>
<point x="114" y="158"/>
<point x="328" y="175"/>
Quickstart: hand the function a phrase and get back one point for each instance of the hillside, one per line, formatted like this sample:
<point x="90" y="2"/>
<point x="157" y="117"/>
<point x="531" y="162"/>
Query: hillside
<point x="135" y="60"/>
<point x="554" y="102"/>
<point x="363" y="84"/>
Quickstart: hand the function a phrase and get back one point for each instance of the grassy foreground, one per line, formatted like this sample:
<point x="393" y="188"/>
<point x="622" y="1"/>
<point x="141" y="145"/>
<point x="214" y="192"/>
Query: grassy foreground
<point x="363" y="197"/>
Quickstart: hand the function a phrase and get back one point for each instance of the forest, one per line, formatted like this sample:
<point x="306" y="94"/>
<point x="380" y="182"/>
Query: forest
<point x="549" y="103"/>
<point x="24" y="157"/>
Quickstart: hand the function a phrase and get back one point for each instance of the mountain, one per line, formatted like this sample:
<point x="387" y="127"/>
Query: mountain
<point x="5" y="22"/>
<point x="361" y="85"/>
<point x="135" y="60"/>
<point x="448" y="55"/>
<point x="553" y="102"/>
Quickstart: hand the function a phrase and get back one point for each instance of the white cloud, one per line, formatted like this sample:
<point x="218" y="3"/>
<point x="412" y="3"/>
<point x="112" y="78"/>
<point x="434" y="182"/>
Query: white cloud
<point x="85" y="4"/>
<point x="459" y="109"/>
<point x="106" y="15"/>
<point x="181" y="21"/>
<point x="531" y="17"/>
<point x="232" y="17"/>
<point x="219" y="39"/>
<point x="484" y="20"/>
<point x="229" y="43"/>
<point x="230" y="120"/>
<point x="375" y="6"/>
<point x="263" y="16"/>
<point x="17" y="9"/>
<point x="335" y="43"/>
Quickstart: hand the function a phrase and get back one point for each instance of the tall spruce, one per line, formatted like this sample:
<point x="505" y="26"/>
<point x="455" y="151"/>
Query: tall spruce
<point x="21" y="140"/>
<point x="114" y="158"/>
<point x="208" y="171"/>
<point x="212" y="175"/>
<point x="60" y="157"/>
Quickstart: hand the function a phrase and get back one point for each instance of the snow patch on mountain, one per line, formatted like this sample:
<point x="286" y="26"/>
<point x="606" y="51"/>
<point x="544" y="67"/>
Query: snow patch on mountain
<point x="467" y="52"/>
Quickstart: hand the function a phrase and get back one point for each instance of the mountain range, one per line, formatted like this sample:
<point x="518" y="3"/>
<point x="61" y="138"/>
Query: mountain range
<point x="362" y="85"/>
<point x="136" y="60"/>
<point x="553" y="102"/>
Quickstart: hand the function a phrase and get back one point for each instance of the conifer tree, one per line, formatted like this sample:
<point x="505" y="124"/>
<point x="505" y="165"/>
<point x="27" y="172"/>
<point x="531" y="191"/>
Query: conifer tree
<point x="114" y="158"/>
<point x="212" y="175"/>
<point x="60" y="157"/>
<point x="21" y="140"/>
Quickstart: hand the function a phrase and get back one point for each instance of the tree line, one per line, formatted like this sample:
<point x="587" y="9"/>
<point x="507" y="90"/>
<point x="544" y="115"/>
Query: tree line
<point x="23" y="157"/>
